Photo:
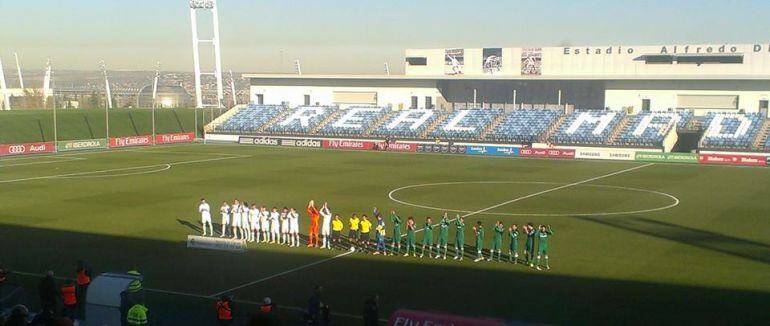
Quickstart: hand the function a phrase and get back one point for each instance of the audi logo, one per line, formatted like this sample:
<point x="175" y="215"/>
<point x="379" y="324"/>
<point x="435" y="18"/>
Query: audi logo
<point x="17" y="149"/>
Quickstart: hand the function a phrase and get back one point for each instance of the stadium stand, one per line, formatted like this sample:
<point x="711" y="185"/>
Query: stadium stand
<point x="587" y="128"/>
<point x="300" y="120"/>
<point x="466" y="124"/>
<point x="250" y="119"/>
<point x="648" y="129"/>
<point x="523" y="126"/>
<point x="731" y="131"/>
<point x="407" y="124"/>
<point x="353" y="121"/>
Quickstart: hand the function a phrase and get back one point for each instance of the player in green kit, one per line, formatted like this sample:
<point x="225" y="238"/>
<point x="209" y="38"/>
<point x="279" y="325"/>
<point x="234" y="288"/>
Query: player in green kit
<point x="497" y="241"/>
<point x="459" y="238"/>
<point x="513" y="249"/>
<point x="543" y="232"/>
<point x="479" y="229"/>
<point x="410" y="226"/>
<point x="529" y="245"/>
<point x="427" y="238"/>
<point x="443" y="236"/>
<point x="395" y="248"/>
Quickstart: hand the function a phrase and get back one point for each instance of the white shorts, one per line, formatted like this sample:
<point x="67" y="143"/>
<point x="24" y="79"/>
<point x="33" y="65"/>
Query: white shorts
<point x="275" y="227"/>
<point x="325" y="229"/>
<point x="266" y="227"/>
<point x="225" y="219"/>
<point x="255" y="226"/>
<point x="285" y="226"/>
<point x="237" y="220"/>
<point x="294" y="228"/>
<point x="206" y="218"/>
<point x="245" y="221"/>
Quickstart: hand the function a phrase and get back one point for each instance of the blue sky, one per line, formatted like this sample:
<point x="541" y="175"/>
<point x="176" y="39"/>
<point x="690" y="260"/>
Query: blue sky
<point x="353" y="36"/>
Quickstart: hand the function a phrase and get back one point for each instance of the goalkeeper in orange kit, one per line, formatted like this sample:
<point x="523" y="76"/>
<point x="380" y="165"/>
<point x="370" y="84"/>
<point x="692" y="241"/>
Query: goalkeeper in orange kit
<point x="314" y="217"/>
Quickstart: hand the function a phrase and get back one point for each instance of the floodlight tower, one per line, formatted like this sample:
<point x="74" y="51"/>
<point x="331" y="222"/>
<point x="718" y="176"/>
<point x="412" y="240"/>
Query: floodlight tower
<point x="155" y="84"/>
<point x="47" y="82"/>
<point x="6" y="98"/>
<point x="107" y="91"/>
<point x="207" y="6"/>
<point x="18" y="69"/>
<point x="232" y="89"/>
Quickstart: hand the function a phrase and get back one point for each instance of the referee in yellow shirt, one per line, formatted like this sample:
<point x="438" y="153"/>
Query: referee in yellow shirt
<point x="366" y="229"/>
<point x="353" y="234"/>
<point x="336" y="229"/>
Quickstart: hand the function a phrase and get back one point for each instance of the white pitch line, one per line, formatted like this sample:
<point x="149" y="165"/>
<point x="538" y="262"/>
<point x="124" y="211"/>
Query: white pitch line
<point x="282" y="273"/>
<point x="58" y="160"/>
<point x="75" y="174"/>
<point x="674" y="199"/>
<point x="557" y="188"/>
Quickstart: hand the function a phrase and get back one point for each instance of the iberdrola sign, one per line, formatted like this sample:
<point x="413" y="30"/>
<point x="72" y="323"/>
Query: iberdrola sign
<point x="79" y="145"/>
<point x="667" y="157"/>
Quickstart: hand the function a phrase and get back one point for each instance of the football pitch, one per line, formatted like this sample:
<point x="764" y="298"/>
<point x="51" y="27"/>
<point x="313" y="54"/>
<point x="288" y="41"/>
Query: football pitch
<point x="634" y="243"/>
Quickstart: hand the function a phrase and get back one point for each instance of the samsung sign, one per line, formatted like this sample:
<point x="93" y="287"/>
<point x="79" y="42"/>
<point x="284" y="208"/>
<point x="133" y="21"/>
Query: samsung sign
<point x="666" y="49"/>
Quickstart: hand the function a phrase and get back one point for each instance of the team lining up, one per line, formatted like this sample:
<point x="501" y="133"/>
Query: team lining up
<point x="258" y="224"/>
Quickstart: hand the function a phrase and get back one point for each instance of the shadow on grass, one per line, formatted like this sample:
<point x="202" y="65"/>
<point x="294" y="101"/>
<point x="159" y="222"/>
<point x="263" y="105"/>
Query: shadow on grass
<point x="484" y="289"/>
<point x="737" y="247"/>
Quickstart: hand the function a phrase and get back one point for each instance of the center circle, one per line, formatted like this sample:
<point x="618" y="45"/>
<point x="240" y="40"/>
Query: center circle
<point x="672" y="200"/>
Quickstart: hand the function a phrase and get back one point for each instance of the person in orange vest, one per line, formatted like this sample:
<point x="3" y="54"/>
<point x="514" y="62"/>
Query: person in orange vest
<point x="267" y="306"/>
<point x="225" y="310"/>
<point x="83" y="280"/>
<point x="69" y="298"/>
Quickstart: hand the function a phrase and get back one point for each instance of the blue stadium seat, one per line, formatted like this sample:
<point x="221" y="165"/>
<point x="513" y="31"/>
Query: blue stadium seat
<point x="523" y="126"/>
<point x="250" y="119"/>
<point x="590" y="128"/>
<point x="466" y="124"/>
<point x="731" y="131"/>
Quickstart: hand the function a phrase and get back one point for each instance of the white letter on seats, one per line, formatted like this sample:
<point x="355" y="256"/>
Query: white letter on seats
<point x="416" y="121"/>
<point x="452" y="125"/>
<point x="351" y="121"/>
<point x="304" y="114"/>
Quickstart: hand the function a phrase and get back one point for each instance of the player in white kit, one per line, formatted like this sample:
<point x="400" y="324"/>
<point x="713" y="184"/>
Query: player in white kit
<point x="293" y="228"/>
<point x="275" y="225"/>
<point x="285" y="226"/>
<point x="225" y="211"/>
<point x="253" y="219"/>
<point x="205" y="211"/>
<point x="255" y="223"/>
<point x="264" y="223"/>
<point x="236" y="210"/>
<point x="326" y="226"/>
<point x="245" y="224"/>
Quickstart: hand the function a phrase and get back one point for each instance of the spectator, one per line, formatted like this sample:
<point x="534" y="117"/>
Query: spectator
<point x="69" y="299"/>
<point x="84" y="274"/>
<point x="49" y="293"/>
<point x="18" y="317"/>
<point x="267" y="305"/>
<point x="225" y="310"/>
<point x="317" y="312"/>
<point x="372" y="311"/>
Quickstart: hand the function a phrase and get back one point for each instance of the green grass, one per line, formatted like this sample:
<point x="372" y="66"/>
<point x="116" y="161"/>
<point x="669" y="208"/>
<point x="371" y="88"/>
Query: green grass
<point x="19" y="126"/>
<point x="706" y="260"/>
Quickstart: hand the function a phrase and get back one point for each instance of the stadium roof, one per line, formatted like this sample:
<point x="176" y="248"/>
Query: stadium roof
<point x="498" y="77"/>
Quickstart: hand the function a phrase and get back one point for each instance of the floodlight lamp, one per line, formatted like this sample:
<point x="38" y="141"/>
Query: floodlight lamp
<point x="202" y="4"/>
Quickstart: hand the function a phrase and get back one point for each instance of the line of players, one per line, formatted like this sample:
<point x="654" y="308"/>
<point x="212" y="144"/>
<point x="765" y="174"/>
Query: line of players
<point x="258" y="224"/>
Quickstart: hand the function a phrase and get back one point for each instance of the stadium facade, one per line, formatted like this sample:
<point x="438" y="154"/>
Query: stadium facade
<point x="701" y="77"/>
